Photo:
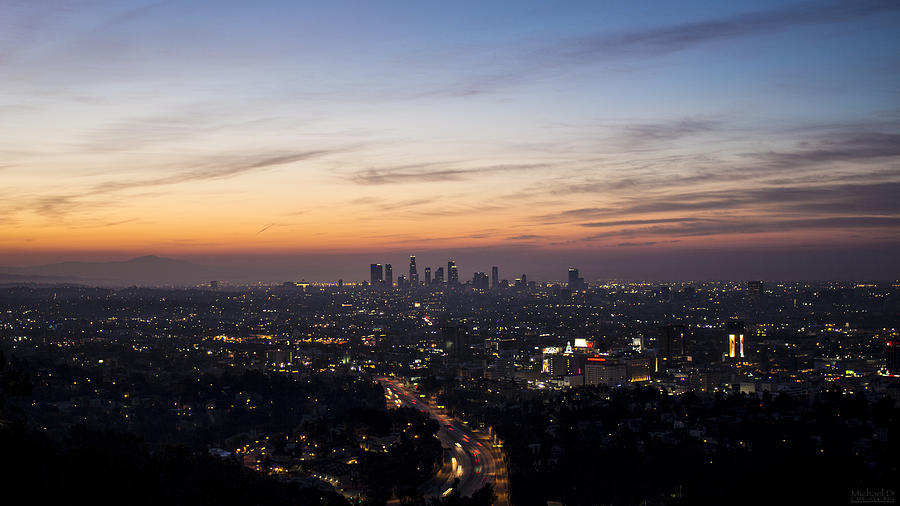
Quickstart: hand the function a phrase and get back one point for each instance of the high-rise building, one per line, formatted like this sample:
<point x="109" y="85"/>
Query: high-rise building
<point x="428" y="276"/>
<point x="452" y="273"/>
<point x="375" y="274"/>
<point x="575" y="282"/>
<point x="495" y="277"/>
<point x="480" y="281"/>
<point x="892" y="358"/>
<point x="439" y="276"/>
<point x="456" y="339"/>
<point x="672" y="341"/>
<point x="561" y="364"/>
<point x="735" y="332"/>
<point x="413" y="273"/>
<point x="601" y="371"/>
<point x="388" y="275"/>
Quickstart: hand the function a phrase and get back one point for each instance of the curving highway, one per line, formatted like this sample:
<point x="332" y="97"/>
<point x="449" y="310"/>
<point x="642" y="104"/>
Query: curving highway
<point x="473" y="459"/>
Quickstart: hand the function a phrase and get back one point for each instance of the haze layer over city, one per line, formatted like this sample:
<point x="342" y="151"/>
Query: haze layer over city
<point x="449" y="254"/>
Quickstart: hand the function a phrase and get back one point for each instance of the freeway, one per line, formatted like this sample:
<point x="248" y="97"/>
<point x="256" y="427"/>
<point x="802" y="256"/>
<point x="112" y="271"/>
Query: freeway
<point x="474" y="460"/>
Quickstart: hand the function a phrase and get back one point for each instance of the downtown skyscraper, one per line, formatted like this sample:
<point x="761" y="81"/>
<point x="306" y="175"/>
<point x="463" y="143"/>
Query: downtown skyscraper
<point x="375" y="274"/>
<point x="452" y="273"/>
<point x="413" y="273"/>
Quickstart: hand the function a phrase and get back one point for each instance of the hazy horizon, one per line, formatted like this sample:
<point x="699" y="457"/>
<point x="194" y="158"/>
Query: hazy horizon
<point x="801" y="264"/>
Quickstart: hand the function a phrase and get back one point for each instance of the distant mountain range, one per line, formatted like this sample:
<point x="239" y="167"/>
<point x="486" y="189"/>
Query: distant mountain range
<point x="142" y="271"/>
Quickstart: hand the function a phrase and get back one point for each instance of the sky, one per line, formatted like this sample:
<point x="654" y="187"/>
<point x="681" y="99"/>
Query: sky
<point x="635" y="138"/>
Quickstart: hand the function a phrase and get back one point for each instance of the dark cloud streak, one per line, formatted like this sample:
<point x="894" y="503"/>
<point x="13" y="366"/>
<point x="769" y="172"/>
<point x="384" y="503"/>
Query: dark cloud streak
<point x="669" y="39"/>
<point x="712" y="227"/>
<point x="409" y="174"/>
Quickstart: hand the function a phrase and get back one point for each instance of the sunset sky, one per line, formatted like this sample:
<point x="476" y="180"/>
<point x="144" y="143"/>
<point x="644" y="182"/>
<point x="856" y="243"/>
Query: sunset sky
<point x="545" y="131"/>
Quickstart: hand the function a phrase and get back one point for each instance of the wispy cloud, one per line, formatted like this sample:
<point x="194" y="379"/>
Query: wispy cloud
<point x="219" y="167"/>
<point x="405" y="204"/>
<point x="603" y="224"/>
<point x="423" y="174"/>
<point x="455" y="210"/>
<point x="740" y="225"/>
<point x="267" y="227"/>
<point x="668" y="131"/>
<point x="668" y="39"/>
<point x="646" y="243"/>
<point x="104" y="223"/>
<point x="845" y="147"/>
<point x="103" y="194"/>
<point x="575" y="214"/>
<point x="822" y="158"/>
<point x="663" y="40"/>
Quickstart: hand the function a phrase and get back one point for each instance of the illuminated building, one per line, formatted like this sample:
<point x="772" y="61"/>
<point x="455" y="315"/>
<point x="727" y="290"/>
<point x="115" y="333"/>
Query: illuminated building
<point x="495" y="277"/>
<point x="452" y="273"/>
<point x="735" y="332"/>
<point x="521" y="282"/>
<point x="388" y="275"/>
<point x="755" y="287"/>
<point x="600" y="370"/>
<point x="413" y="274"/>
<point x="428" y="276"/>
<point x="439" y="276"/>
<point x="892" y="358"/>
<point x="375" y="274"/>
<point x="639" y="369"/>
<point x="280" y="360"/>
<point x="480" y="281"/>
<point x="560" y="364"/>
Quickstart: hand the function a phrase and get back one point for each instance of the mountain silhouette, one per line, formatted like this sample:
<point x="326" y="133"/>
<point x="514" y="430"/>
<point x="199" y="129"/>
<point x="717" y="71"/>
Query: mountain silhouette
<point x="149" y="270"/>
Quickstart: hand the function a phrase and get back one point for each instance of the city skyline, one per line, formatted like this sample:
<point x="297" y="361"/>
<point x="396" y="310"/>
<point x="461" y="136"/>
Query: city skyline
<point x="637" y="141"/>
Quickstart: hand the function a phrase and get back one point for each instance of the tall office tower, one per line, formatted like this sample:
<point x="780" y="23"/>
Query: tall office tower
<point x="457" y="341"/>
<point x="401" y="281"/>
<point x="375" y="275"/>
<point x="413" y="274"/>
<point x="524" y="280"/>
<point x="480" y="281"/>
<point x="892" y="358"/>
<point x="672" y="341"/>
<point x="495" y="277"/>
<point x="735" y="332"/>
<point x="388" y="275"/>
<point x="428" y="276"/>
<point x="575" y="282"/>
<point x="439" y="276"/>
<point x="452" y="273"/>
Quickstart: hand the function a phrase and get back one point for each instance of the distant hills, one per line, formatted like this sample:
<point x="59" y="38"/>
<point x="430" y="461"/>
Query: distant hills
<point x="142" y="271"/>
